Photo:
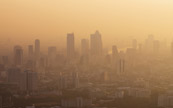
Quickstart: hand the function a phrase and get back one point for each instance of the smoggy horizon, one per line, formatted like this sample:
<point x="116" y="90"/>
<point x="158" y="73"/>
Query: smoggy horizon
<point x="118" y="21"/>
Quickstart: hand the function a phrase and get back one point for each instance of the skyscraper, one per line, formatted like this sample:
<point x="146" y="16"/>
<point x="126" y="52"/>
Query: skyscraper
<point x="85" y="47"/>
<point x="37" y="49"/>
<point x="96" y="44"/>
<point x="26" y="80"/>
<point x="115" y="58"/>
<point x="121" y="66"/>
<point x="30" y="51"/>
<point x="52" y="55"/>
<point x="114" y="51"/>
<point x="18" y="55"/>
<point x="149" y="44"/>
<point x="70" y="46"/>
<point x="31" y="80"/>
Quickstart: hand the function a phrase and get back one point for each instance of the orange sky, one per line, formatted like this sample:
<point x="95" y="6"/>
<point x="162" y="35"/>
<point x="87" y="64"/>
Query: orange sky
<point x="22" y="21"/>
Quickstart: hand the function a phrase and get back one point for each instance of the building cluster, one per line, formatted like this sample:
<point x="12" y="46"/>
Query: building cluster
<point x="92" y="77"/>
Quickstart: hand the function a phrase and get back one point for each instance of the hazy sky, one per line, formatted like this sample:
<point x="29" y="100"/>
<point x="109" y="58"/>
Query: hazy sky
<point x="22" y="21"/>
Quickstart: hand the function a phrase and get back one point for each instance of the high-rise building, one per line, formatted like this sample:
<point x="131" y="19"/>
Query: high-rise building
<point x="70" y="46"/>
<point x="37" y="49"/>
<point x="121" y="66"/>
<point x="149" y="44"/>
<point x="114" y="51"/>
<point x="14" y="75"/>
<point x="115" y="58"/>
<point x="27" y="80"/>
<point x="52" y="51"/>
<point x="96" y="44"/>
<point x="85" y="47"/>
<point x="30" y="51"/>
<point x="18" y="55"/>
<point x="31" y="80"/>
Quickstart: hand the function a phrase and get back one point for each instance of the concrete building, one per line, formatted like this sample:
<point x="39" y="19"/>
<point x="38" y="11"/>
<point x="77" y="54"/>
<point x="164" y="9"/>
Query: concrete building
<point x="70" y="46"/>
<point x="96" y="45"/>
<point x="18" y="55"/>
<point x="37" y="49"/>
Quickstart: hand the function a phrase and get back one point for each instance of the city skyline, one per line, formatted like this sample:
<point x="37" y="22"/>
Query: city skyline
<point x="116" y="20"/>
<point x="86" y="54"/>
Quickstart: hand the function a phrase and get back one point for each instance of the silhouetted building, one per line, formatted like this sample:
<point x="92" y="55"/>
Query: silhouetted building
<point x="70" y="46"/>
<point x="37" y="49"/>
<point x="30" y="52"/>
<point x="31" y="80"/>
<point x="121" y="66"/>
<point x="149" y="44"/>
<point x="96" y="44"/>
<point x="52" y="51"/>
<point x="14" y="75"/>
<point x="26" y="81"/>
<point x="18" y="55"/>
<point x="114" y="51"/>
<point x="115" y="58"/>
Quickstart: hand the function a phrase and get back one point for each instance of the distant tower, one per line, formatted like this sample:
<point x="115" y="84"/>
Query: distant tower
<point x="18" y="55"/>
<point x="121" y="66"/>
<point x="96" y="44"/>
<point x="70" y="46"/>
<point x="115" y="57"/>
<point x="149" y="44"/>
<point x="114" y="50"/>
<point x="37" y="49"/>
<point x="52" y="51"/>
<point x="134" y="44"/>
<point x="30" y="51"/>
<point x="85" y="47"/>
